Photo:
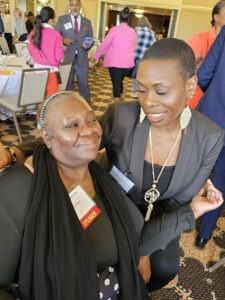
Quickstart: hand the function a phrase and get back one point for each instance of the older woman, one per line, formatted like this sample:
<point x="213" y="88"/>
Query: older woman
<point x="70" y="226"/>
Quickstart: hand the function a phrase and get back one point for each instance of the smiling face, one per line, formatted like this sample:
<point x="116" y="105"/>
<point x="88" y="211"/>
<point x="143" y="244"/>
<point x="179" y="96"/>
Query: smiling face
<point x="72" y="132"/>
<point x="75" y="6"/>
<point x="163" y="91"/>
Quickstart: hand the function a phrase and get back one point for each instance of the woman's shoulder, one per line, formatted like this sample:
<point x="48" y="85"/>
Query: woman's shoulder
<point x="50" y="30"/>
<point x="127" y="109"/>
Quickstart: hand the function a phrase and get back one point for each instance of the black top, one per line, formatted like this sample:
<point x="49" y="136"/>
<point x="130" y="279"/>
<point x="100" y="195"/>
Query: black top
<point x="162" y="186"/>
<point x="29" y="26"/>
<point x="101" y="236"/>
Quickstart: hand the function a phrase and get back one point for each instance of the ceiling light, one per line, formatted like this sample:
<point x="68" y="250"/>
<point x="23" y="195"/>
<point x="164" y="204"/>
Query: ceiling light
<point x="138" y="16"/>
<point x="138" y="11"/>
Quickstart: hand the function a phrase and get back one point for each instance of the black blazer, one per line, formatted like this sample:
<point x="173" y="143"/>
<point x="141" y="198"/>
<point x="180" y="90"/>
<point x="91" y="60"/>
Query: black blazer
<point x="125" y="140"/>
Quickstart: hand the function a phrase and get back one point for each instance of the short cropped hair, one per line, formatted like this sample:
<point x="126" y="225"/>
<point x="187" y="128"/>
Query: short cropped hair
<point x="176" y="49"/>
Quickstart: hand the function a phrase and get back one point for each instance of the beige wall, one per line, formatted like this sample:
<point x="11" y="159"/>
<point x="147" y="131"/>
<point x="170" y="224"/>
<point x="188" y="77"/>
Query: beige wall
<point x="193" y="15"/>
<point x="91" y="11"/>
<point x="191" y="21"/>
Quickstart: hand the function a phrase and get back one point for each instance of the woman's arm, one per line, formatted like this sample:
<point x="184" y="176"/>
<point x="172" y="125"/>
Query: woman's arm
<point x="104" y="45"/>
<point x="21" y="151"/>
<point x="59" y="53"/>
<point x="160" y="231"/>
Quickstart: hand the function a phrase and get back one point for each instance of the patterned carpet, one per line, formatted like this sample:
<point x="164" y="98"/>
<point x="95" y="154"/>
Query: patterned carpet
<point x="194" y="282"/>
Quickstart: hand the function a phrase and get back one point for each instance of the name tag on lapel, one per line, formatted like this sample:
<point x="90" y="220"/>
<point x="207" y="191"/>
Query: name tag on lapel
<point x="68" y="25"/>
<point x="123" y="181"/>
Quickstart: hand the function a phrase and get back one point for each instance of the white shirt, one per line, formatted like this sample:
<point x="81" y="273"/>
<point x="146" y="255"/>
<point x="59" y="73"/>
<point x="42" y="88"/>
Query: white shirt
<point x="6" y="19"/>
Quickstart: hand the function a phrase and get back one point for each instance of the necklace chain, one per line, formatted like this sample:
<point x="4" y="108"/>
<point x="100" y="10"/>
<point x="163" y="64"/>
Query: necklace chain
<point x="167" y="159"/>
<point x="152" y="194"/>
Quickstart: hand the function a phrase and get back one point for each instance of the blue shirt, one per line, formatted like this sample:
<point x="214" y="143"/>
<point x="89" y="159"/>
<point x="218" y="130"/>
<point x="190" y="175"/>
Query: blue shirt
<point x="145" y="38"/>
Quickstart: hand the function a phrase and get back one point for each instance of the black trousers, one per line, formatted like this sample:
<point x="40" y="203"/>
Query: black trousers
<point x="8" y="37"/>
<point x="164" y="266"/>
<point x="117" y="76"/>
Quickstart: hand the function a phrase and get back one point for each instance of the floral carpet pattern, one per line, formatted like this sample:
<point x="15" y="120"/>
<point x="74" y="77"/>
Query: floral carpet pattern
<point x="194" y="282"/>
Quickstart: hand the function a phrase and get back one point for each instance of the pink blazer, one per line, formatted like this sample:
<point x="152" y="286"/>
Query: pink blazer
<point x="51" y="45"/>
<point x="118" y="47"/>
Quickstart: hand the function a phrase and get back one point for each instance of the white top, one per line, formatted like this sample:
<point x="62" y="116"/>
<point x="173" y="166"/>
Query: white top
<point x="7" y="22"/>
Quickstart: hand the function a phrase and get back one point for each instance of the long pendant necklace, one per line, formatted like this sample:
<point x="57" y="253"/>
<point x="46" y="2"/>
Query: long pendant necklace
<point x="152" y="194"/>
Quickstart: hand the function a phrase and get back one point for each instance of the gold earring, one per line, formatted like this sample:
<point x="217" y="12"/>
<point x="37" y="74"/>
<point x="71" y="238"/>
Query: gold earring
<point x="185" y="117"/>
<point x="141" y="117"/>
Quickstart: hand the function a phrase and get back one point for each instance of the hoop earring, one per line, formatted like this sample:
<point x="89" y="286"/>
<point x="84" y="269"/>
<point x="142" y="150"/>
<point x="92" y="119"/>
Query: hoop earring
<point x="185" y="117"/>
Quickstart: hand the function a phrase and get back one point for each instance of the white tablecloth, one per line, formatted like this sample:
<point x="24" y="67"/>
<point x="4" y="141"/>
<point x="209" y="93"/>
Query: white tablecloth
<point x="9" y="84"/>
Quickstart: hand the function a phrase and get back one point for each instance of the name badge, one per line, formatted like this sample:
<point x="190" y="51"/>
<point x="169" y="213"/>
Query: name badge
<point x="68" y="25"/>
<point x="123" y="181"/>
<point x="85" y="208"/>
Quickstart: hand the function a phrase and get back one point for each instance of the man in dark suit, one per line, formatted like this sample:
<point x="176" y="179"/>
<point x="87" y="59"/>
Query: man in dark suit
<point x="74" y="28"/>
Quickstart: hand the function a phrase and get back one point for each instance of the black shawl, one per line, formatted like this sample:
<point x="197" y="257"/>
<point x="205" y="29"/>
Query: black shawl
<point x="57" y="262"/>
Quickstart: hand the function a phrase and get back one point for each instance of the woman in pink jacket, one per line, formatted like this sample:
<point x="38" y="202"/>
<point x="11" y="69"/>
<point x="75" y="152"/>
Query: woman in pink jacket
<point x="46" y="46"/>
<point x="118" y="48"/>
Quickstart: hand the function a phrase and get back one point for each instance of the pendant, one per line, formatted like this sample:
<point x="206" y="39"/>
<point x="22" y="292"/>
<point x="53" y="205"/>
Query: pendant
<point x="151" y="196"/>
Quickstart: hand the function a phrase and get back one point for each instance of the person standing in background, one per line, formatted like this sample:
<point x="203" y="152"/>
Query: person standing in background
<point x="7" y="22"/>
<point x="20" y="29"/>
<point x="211" y="76"/>
<point x="74" y="28"/>
<point x="46" y="46"/>
<point x="118" y="48"/>
<point x="145" y="38"/>
<point x="201" y="43"/>
<point x="30" y="22"/>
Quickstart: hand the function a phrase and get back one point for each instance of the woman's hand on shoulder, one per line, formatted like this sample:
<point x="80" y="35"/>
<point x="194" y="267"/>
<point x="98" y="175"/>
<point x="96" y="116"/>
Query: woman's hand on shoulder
<point x="144" y="268"/>
<point x="5" y="157"/>
<point x="202" y="203"/>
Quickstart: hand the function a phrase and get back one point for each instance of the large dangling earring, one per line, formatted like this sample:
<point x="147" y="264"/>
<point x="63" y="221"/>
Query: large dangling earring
<point x="141" y="117"/>
<point x="185" y="117"/>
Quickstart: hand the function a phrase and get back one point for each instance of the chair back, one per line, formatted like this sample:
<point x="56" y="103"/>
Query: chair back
<point x="64" y="69"/>
<point x="32" y="86"/>
<point x="92" y="51"/>
<point x="20" y="47"/>
<point x="4" y="46"/>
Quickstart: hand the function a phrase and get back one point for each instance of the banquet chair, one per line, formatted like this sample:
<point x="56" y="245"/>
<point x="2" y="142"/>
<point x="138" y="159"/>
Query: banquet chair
<point x="31" y="92"/>
<point x="92" y="66"/>
<point x="4" y="46"/>
<point x="20" y="46"/>
<point x="217" y="265"/>
<point x="64" y="69"/>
